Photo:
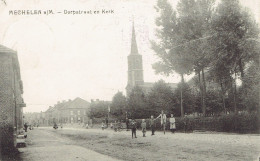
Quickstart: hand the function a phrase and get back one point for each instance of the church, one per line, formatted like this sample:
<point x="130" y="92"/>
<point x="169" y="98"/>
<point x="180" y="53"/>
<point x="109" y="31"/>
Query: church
<point x="135" y="69"/>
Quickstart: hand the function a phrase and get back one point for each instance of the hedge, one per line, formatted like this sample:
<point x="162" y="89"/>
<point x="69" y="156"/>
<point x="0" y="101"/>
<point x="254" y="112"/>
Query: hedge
<point x="238" y="123"/>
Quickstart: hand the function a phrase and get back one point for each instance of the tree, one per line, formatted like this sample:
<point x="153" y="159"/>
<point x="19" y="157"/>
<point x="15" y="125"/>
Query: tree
<point x="99" y="109"/>
<point x="189" y="102"/>
<point x="160" y="98"/>
<point x="196" y="17"/>
<point x="137" y="104"/>
<point x="233" y="30"/>
<point x="250" y="90"/>
<point x="221" y="75"/>
<point x="118" y="105"/>
<point x="170" y="34"/>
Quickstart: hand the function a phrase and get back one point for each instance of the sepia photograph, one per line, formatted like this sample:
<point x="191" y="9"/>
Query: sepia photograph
<point x="129" y="80"/>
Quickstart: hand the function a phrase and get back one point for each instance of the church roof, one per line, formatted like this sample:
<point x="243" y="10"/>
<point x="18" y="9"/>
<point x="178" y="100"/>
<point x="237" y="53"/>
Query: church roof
<point x="134" y="49"/>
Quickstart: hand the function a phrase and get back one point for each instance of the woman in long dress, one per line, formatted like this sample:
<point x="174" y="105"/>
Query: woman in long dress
<point x="172" y="124"/>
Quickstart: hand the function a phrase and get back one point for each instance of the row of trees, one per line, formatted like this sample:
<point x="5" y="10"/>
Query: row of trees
<point x="217" y="42"/>
<point x="200" y="36"/>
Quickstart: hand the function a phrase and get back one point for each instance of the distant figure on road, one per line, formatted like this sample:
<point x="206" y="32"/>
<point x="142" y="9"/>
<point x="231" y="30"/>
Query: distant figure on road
<point x="127" y="124"/>
<point x="186" y="124"/>
<point x="172" y="124"/>
<point x="55" y="126"/>
<point x="133" y="129"/>
<point x="163" y="120"/>
<point x="25" y="127"/>
<point x="90" y="123"/>
<point x="152" y="124"/>
<point x="143" y="125"/>
<point x="115" y="126"/>
<point x="106" y="122"/>
<point x="103" y="126"/>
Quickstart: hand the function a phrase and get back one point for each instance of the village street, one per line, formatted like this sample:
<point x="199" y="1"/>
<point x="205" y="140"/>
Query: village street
<point x="94" y="144"/>
<point x="45" y="145"/>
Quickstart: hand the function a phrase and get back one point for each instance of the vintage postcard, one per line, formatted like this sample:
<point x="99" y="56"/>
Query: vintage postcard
<point x="129" y="80"/>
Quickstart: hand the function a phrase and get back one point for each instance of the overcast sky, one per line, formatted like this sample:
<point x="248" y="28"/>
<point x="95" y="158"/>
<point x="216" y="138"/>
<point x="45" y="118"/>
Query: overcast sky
<point x="67" y="56"/>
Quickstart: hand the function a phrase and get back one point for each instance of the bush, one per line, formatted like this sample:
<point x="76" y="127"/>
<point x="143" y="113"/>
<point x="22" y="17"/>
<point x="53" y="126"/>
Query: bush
<point x="240" y="123"/>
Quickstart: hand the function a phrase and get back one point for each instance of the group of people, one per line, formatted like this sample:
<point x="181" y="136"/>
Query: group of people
<point x="163" y="118"/>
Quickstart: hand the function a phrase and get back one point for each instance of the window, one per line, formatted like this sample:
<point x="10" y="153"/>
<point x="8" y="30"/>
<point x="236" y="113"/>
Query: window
<point x="71" y="112"/>
<point x="78" y="112"/>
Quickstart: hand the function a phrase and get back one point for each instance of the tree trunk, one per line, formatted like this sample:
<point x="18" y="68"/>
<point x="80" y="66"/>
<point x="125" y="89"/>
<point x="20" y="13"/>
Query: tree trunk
<point x="235" y="93"/>
<point x="201" y="92"/>
<point x="223" y="98"/>
<point x="204" y="94"/>
<point x="182" y="82"/>
<point x="241" y="68"/>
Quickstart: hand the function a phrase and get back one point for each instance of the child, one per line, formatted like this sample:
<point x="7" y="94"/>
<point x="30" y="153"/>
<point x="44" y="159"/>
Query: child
<point x="143" y="125"/>
<point x="133" y="129"/>
<point x="172" y="123"/>
<point x="103" y="126"/>
<point x="115" y="126"/>
<point x="152" y="124"/>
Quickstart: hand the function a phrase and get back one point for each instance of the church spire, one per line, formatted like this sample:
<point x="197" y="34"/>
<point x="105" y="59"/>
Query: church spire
<point x="134" y="49"/>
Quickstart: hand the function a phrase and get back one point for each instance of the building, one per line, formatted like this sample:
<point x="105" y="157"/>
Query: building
<point x="11" y="100"/>
<point x="135" y="69"/>
<point x="71" y="111"/>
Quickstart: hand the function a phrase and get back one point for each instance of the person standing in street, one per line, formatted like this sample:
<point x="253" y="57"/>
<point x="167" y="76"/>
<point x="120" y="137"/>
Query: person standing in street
<point x="172" y="124"/>
<point x="152" y="124"/>
<point x="163" y="121"/>
<point x="133" y="129"/>
<point x="127" y="124"/>
<point x="143" y="125"/>
<point x="106" y="122"/>
<point x="25" y="127"/>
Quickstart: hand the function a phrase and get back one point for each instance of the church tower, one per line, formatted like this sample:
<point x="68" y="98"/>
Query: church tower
<point x="135" y="65"/>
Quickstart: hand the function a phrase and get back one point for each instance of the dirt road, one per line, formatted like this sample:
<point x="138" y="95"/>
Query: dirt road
<point x="73" y="144"/>
<point x="43" y="145"/>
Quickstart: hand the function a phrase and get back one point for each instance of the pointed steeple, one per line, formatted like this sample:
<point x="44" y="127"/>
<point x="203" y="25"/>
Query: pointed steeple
<point x="134" y="49"/>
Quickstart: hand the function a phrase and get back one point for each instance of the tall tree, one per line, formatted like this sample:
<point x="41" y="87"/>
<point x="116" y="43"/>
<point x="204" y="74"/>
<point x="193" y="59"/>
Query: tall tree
<point x="168" y="47"/>
<point x="250" y="90"/>
<point x="137" y="104"/>
<point x="189" y="102"/>
<point x="160" y="98"/>
<point x="118" y="105"/>
<point x="99" y="109"/>
<point x="233" y="30"/>
<point x="196" y="16"/>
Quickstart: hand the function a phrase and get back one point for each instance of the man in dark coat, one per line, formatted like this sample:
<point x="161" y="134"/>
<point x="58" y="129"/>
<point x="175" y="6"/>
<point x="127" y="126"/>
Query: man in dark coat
<point x="133" y="129"/>
<point x="152" y="124"/>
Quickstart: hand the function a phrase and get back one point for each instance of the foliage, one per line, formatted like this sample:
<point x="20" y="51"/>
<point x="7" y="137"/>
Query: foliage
<point x="249" y="92"/>
<point x="137" y="103"/>
<point x="189" y="102"/>
<point x="241" y="123"/>
<point x="118" y="105"/>
<point x="99" y="109"/>
<point x="234" y="30"/>
<point x="160" y="98"/>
